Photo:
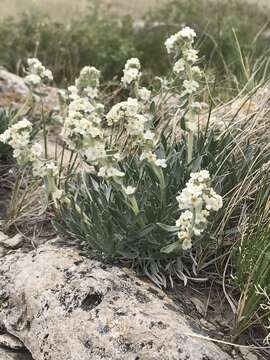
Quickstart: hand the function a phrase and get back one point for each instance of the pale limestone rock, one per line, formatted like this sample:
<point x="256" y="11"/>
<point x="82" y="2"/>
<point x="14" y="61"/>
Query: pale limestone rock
<point x="13" y="91"/>
<point x="63" y="306"/>
<point x="3" y="237"/>
<point x="13" y="242"/>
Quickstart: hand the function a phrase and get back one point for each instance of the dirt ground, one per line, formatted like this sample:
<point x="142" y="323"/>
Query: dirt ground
<point x="63" y="9"/>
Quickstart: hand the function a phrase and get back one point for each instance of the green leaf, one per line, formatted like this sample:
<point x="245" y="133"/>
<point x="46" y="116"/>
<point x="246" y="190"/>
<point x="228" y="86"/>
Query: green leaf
<point x="168" y="227"/>
<point x="176" y="246"/>
<point x="152" y="107"/>
<point x="183" y="123"/>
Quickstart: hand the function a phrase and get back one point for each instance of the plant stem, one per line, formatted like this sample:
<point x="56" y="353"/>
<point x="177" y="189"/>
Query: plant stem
<point x="190" y="133"/>
<point x="190" y="147"/>
<point x="44" y="132"/>
<point x="134" y="205"/>
<point x="159" y="173"/>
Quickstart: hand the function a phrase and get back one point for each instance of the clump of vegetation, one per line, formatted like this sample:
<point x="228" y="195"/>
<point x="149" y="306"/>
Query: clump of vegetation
<point x="252" y="268"/>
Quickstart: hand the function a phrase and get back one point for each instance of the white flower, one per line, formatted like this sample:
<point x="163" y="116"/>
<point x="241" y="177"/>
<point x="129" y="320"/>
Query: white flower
<point x="73" y="92"/>
<point x="190" y="197"/>
<point x="81" y="130"/>
<point x="32" y="80"/>
<point x="135" y="125"/>
<point x="102" y="171"/>
<point x="91" y="92"/>
<point x="161" y="163"/>
<point x="22" y="124"/>
<point x="183" y="235"/>
<point x="187" y="244"/>
<point x="132" y="106"/>
<point x="122" y="110"/>
<point x="130" y="190"/>
<point x="109" y="172"/>
<point x="133" y="62"/>
<point x="190" y="86"/>
<point x="44" y="169"/>
<point x="179" y="66"/>
<point x="201" y="217"/>
<point x="170" y="43"/>
<point x="191" y="55"/>
<point x="37" y="149"/>
<point x="130" y="75"/>
<point x="150" y="156"/>
<point x="88" y="82"/>
<point x="50" y="168"/>
<point x="94" y="151"/>
<point x="37" y="72"/>
<point x="5" y="136"/>
<point x="149" y="135"/>
<point x="200" y="176"/>
<point x="196" y="71"/>
<point x="82" y="105"/>
<point x="197" y="199"/>
<point x="18" y="136"/>
<point x="144" y="94"/>
<point x="213" y="202"/>
<point x="187" y="33"/>
<point x="185" y="219"/>
<point x="131" y="71"/>
<point x="47" y="74"/>
<point x="116" y="113"/>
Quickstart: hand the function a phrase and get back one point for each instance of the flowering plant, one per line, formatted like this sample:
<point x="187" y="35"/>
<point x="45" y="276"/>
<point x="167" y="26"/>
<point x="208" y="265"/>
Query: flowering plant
<point x="131" y="169"/>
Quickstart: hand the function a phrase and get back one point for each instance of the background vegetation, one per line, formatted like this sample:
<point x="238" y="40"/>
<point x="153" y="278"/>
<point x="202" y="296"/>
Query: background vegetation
<point x="233" y="37"/>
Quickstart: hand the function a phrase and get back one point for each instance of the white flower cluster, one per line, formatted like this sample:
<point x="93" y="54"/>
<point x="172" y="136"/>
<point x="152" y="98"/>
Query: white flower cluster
<point x="108" y="171"/>
<point x="197" y="200"/>
<point x="82" y="130"/>
<point x="152" y="159"/>
<point x="18" y="136"/>
<point x="44" y="169"/>
<point x="174" y="42"/>
<point x="180" y="45"/>
<point x="122" y="111"/>
<point x="132" y="76"/>
<point x="131" y="72"/>
<point x="88" y="82"/>
<point x="130" y="115"/>
<point x="37" y="73"/>
<point x="127" y="114"/>
<point x="144" y="94"/>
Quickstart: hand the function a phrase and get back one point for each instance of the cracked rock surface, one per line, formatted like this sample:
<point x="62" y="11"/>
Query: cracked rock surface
<point x="63" y="306"/>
